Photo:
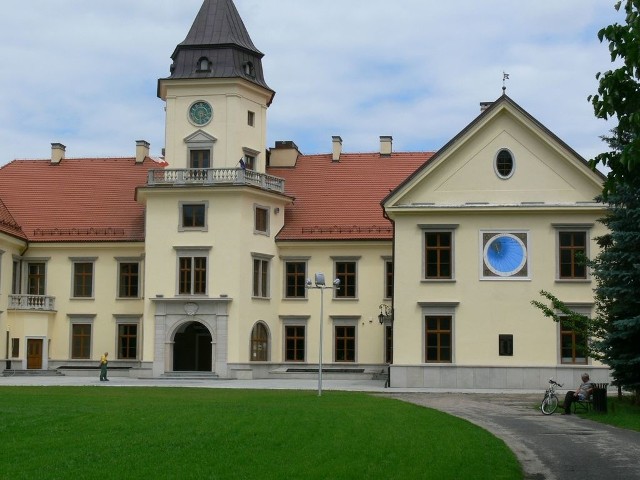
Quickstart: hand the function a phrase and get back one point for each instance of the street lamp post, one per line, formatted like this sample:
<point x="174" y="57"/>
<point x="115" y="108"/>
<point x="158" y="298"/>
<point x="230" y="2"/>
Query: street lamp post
<point x="319" y="284"/>
<point x="386" y="315"/>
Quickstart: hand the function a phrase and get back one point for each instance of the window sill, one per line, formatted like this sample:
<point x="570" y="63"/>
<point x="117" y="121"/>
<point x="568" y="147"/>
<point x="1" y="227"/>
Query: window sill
<point x="438" y="280"/>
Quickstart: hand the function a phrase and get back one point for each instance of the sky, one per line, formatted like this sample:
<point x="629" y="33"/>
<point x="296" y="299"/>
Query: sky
<point x="84" y="73"/>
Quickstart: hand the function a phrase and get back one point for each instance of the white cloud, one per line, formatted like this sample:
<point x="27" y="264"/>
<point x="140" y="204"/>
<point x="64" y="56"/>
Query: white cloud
<point x="84" y="73"/>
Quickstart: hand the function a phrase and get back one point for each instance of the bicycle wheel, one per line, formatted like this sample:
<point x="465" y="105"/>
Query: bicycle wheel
<point x="549" y="404"/>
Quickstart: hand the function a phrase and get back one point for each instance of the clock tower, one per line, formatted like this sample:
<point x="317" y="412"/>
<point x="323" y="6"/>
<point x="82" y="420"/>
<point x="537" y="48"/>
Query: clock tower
<point x="216" y="96"/>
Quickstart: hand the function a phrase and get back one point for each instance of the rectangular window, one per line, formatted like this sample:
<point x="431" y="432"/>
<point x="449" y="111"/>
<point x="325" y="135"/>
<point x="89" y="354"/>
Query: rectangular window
<point x="251" y="118"/>
<point x="250" y="162"/>
<point x="438" y="339"/>
<point x="345" y="349"/>
<point x="295" y="277"/>
<point x="438" y="257"/>
<point x="193" y="215"/>
<point x="15" y="347"/>
<point x="388" y="279"/>
<point x="192" y="276"/>
<point x="83" y="279"/>
<point x="573" y="346"/>
<point x="81" y="340"/>
<point x="129" y="280"/>
<point x="346" y="273"/>
<point x="505" y="345"/>
<point x="260" y="277"/>
<point x="294" y="343"/>
<point x="572" y="250"/>
<point x="261" y="220"/>
<point x="127" y="341"/>
<point x="36" y="278"/>
<point x="199" y="158"/>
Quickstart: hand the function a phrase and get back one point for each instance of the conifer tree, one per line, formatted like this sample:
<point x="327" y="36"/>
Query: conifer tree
<point x="617" y="266"/>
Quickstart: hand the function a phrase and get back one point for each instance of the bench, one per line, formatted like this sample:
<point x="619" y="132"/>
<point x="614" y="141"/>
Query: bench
<point x="585" y="405"/>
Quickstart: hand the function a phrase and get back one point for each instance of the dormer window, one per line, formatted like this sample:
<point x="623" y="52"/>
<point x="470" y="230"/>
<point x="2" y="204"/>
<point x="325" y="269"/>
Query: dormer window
<point x="249" y="70"/>
<point x="204" y="65"/>
<point x="504" y="164"/>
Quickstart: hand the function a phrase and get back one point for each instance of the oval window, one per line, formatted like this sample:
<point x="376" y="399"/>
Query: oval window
<point x="504" y="164"/>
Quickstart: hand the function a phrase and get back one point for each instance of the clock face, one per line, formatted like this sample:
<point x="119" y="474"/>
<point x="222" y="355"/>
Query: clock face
<point x="200" y="113"/>
<point x="505" y="255"/>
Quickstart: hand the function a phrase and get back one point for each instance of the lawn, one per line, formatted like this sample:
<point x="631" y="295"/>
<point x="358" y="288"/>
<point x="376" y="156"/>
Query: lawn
<point x="621" y="412"/>
<point x="158" y="433"/>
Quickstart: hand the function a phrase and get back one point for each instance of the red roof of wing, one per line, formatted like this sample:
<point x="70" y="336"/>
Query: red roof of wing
<point x="341" y="200"/>
<point x="8" y="224"/>
<point x="89" y="199"/>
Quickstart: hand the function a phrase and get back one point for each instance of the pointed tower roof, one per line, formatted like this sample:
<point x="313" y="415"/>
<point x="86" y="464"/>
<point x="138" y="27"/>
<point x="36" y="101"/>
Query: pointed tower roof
<point x="217" y="46"/>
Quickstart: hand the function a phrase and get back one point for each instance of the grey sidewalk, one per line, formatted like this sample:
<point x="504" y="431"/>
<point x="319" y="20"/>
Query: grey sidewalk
<point x="267" y="384"/>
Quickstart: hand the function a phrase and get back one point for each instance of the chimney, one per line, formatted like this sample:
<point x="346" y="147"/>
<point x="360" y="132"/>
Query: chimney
<point x="337" y="148"/>
<point x="386" y="142"/>
<point x="142" y="150"/>
<point x="57" y="153"/>
<point x="484" y="106"/>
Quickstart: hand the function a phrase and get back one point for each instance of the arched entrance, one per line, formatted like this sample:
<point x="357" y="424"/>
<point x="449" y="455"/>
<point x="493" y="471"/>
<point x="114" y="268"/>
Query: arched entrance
<point x="192" y="348"/>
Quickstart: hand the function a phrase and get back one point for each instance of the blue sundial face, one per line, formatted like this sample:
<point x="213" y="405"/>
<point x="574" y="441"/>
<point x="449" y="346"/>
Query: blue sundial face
<point x="200" y="113"/>
<point x="505" y="254"/>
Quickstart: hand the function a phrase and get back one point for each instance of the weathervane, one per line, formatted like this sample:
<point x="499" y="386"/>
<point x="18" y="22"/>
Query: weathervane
<point x="505" y="77"/>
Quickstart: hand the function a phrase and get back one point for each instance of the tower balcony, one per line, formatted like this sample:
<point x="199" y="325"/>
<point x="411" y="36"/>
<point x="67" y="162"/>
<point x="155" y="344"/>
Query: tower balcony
<point x="214" y="177"/>
<point x="32" y="302"/>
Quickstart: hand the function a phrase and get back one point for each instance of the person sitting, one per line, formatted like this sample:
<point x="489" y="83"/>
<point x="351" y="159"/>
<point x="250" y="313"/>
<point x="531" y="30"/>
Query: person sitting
<point x="583" y="392"/>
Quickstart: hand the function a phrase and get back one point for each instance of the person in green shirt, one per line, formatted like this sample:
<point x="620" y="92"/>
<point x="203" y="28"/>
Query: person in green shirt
<point x="103" y="367"/>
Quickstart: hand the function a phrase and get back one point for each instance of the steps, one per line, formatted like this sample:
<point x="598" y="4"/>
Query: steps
<point x="12" y="372"/>
<point x="189" y="376"/>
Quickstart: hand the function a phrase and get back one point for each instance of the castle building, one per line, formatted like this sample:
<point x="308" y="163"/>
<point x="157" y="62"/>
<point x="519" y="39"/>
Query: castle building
<point x="219" y="259"/>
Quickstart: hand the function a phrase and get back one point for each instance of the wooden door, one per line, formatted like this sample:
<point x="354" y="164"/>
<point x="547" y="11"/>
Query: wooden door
<point x="34" y="353"/>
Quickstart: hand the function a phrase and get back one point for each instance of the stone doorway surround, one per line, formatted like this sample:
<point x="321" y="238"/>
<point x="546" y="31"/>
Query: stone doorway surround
<point x="172" y="313"/>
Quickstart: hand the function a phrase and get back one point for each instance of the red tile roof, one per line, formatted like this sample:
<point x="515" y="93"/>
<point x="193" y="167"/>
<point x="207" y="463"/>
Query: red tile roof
<point x="341" y="200"/>
<point x="89" y="199"/>
<point x="8" y="224"/>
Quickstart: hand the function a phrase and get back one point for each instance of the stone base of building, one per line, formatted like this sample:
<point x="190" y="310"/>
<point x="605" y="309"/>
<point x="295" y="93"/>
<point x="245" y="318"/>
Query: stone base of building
<point x="493" y="377"/>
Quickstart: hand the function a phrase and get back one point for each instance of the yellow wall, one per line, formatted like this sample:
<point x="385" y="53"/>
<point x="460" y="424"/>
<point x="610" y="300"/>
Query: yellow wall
<point x="230" y="100"/>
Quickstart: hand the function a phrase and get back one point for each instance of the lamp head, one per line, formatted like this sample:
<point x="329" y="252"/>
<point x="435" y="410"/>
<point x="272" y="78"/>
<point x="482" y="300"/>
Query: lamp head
<point x="320" y="280"/>
<point x="308" y="283"/>
<point x="336" y="282"/>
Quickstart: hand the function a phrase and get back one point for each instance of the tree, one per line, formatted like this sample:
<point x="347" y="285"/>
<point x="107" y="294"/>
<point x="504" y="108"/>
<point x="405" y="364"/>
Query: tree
<point x="619" y="96"/>
<point x="617" y="272"/>
<point x="617" y="266"/>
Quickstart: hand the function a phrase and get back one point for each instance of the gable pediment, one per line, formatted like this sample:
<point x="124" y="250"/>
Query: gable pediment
<point x="200" y="136"/>
<point x="545" y="170"/>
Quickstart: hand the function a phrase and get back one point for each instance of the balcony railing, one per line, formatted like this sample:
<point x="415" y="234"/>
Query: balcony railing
<point x="215" y="176"/>
<point x="32" y="302"/>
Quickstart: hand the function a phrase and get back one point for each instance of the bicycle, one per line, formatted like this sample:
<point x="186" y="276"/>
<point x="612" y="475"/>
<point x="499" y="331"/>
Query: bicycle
<point x="550" y="401"/>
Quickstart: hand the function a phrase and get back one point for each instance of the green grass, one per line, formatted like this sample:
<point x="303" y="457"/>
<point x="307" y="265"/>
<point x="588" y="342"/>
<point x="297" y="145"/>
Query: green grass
<point x="158" y="433"/>
<point x="621" y="412"/>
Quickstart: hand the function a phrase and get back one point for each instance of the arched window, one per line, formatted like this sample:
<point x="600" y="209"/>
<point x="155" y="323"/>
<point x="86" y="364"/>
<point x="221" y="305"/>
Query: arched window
<point x="504" y="164"/>
<point x="249" y="70"/>
<point x="259" y="343"/>
<point x="204" y="65"/>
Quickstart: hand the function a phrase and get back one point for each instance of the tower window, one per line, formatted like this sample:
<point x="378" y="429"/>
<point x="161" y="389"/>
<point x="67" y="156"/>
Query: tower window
<point x="249" y="70"/>
<point x="504" y="164"/>
<point x="251" y="118"/>
<point x="204" y="65"/>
